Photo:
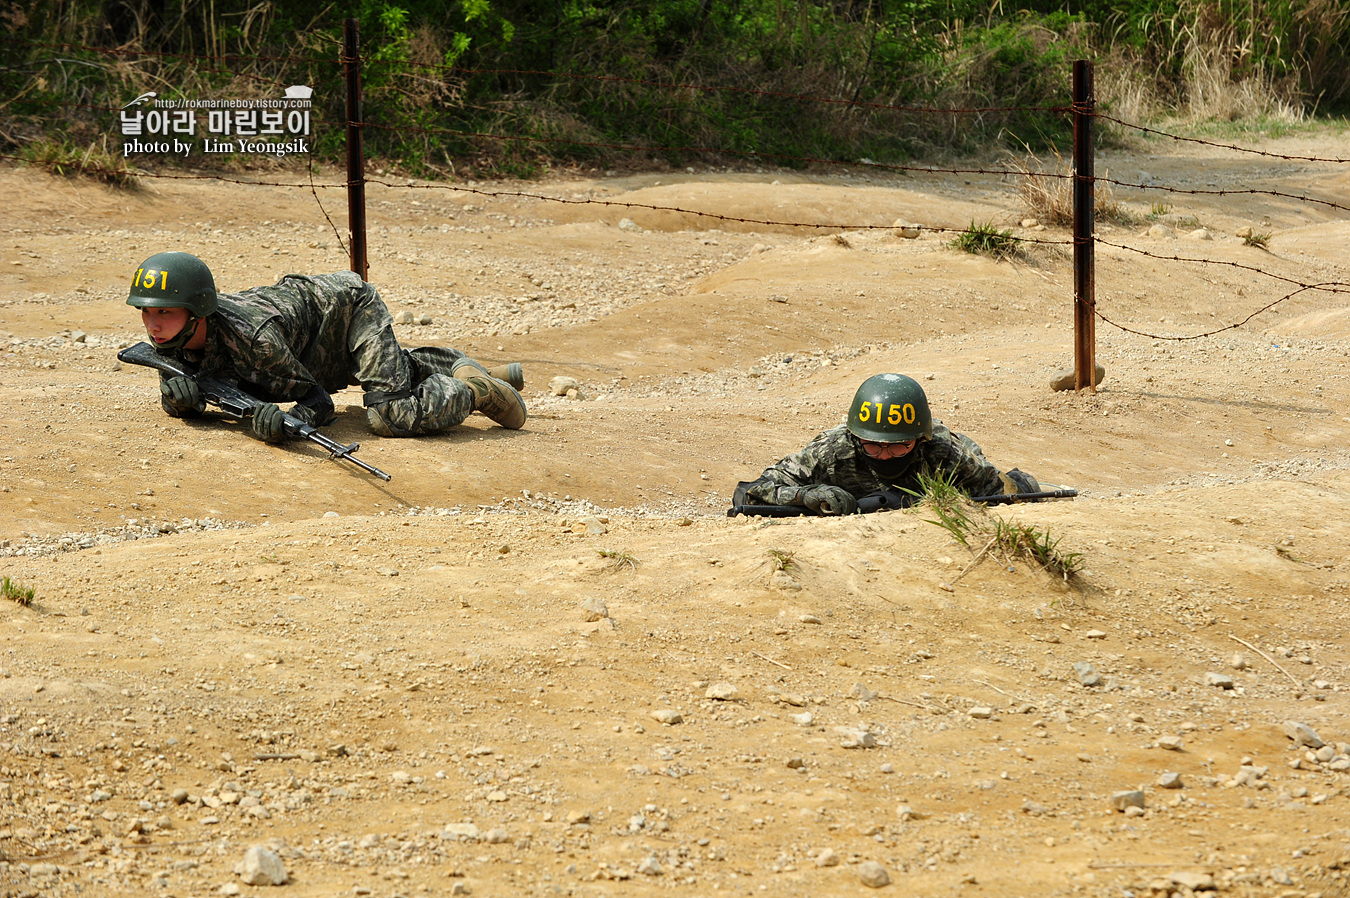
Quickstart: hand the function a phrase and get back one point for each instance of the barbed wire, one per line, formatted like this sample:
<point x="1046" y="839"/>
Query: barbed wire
<point x="1301" y="287"/>
<point x="701" y="88"/>
<point x="1224" y="191"/>
<point x="1227" y="327"/>
<point x="713" y="151"/>
<point x="1223" y="146"/>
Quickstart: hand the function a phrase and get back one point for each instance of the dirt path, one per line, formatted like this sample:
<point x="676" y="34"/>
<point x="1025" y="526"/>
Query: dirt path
<point x="466" y="681"/>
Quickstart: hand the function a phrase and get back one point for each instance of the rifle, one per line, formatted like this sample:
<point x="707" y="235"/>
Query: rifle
<point x="885" y="500"/>
<point x="237" y="404"/>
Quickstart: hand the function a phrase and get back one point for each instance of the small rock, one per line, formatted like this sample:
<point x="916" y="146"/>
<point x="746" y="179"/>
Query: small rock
<point x="574" y="817"/>
<point x="1086" y="673"/>
<point x="981" y="712"/>
<point x="721" y="692"/>
<point x="855" y="738"/>
<point x="1196" y="882"/>
<point x="559" y="385"/>
<point x="1222" y="680"/>
<point x="1030" y="222"/>
<point x="1237" y="662"/>
<point x="873" y="875"/>
<point x="497" y="795"/>
<point x="496" y="836"/>
<point x="1160" y="230"/>
<point x="1244" y="232"/>
<point x="262" y="867"/>
<point x="907" y="813"/>
<point x="401" y="777"/>
<point x="424" y="318"/>
<point x="828" y="857"/>
<point x="42" y="870"/>
<point x="404" y="317"/>
<point x="905" y="230"/>
<point x="667" y="716"/>
<point x="593" y="609"/>
<point x="627" y="224"/>
<point x="1200" y="234"/>
<point x="1302" y="734"/>
<point x="1064" y="380"/>
<point x="1170" y="743"/>
<point x="862" y="693"/>
<point x="804" y="719"/>
<point x="1130" y="798"/>
<point x="1169" y="780"/>
<point x="649" y="866"/>
<point x="1095" y="634"/>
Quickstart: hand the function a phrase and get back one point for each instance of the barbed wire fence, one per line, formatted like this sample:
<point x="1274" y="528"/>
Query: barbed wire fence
<point x="1082" y="178"/>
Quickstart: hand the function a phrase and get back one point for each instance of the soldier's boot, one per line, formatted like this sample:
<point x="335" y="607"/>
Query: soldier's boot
<point x="511" y="373"/>
<point x="495" y="398"/>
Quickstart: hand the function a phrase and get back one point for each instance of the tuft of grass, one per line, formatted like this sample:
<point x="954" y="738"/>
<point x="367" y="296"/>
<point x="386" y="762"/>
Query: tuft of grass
<point x="618" y="559"/>
<point x="61" y="157"/>
<point x="1259" y="239"/>
<point x="15" y="592"/>
<point x="1048" y="192"/>
<point x="946" y="500"/>
<point x="1158" y="210"/>
<point x="954" y="513"/>
<point x="986" y="240"/>
<point x="780" y="560"/>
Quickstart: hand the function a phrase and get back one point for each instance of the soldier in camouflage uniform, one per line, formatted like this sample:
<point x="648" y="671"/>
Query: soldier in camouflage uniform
<point x="301" y="340"/>
<point x="889" y="440"/>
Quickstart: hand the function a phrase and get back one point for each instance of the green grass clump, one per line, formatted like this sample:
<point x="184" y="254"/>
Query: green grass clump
<point x="1259" y="239"/>
<point x="1009" y="539"/>
<point x="16" y="592"/>
<point x="986" y="240"/>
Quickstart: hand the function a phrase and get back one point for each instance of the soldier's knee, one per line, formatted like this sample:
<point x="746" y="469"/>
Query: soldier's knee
<point x="438" y="403"/>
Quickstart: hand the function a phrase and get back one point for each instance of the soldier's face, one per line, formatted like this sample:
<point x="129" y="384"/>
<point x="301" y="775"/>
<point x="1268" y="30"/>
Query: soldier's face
<point x="163" y="324"/>
<point x="884" y="451"/>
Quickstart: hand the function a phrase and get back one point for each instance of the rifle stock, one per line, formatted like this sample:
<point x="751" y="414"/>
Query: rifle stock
<point x="888" y="499"/>
<point x="237" y="404"/>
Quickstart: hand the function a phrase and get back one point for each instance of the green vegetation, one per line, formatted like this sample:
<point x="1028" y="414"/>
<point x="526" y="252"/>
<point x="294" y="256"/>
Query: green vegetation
<point x="473" y="87"/>
<point x="1259" y="239"/>
<point x="1007" y="539"/>
<point x="780" y="560"/>
<point x="986" y="240"/>
<point x="17" y="593"/>
<point x="618" y="559"/>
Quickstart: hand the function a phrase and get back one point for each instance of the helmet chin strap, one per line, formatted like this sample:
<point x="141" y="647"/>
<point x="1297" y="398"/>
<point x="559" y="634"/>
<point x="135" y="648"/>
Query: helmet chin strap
<point x="187" y="333"/>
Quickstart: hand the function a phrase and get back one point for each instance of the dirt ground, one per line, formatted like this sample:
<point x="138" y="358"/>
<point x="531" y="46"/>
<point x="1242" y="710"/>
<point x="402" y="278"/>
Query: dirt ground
<point x="546" y="663"/>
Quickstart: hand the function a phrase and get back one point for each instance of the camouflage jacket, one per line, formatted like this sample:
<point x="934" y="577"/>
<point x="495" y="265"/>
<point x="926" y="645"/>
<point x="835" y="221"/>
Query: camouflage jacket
<point x="833" y="458"/>
<point x="290" y="342"/>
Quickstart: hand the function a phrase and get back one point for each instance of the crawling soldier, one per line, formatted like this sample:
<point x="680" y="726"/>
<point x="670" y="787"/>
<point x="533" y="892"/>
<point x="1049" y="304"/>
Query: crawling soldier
<point x="302" y="339"/>
<point x="889" y="440"/>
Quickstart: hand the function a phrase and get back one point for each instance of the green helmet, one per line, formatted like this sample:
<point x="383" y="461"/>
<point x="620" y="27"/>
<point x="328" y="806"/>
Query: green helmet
<point x="890" y="408"/>
<point x="174" y="281"/>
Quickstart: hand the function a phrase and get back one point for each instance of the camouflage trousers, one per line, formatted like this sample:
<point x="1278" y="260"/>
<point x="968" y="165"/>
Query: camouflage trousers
<point x="409" y="392"/>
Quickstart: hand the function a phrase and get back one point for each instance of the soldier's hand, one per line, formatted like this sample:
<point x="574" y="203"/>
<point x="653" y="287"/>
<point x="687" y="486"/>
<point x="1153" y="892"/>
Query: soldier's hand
<point x="268" y="423"/>
<point x="1016" y="481"/>
<point x="824" y="499"/>
<point x="182" y="397"/>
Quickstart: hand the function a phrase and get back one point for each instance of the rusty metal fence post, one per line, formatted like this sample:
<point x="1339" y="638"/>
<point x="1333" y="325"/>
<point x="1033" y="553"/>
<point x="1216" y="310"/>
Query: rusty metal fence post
<point x="1084" y="226"/>
<point x="356" y="177"/>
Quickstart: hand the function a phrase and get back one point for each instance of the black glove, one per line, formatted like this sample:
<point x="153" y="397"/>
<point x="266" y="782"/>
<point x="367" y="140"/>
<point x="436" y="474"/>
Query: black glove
<point x="182" y="398"/>
<point x="824" y="499"/>
<point x="1020" y="482"/>
<point x="312" y="417"/>
<point x="268" y="423"/>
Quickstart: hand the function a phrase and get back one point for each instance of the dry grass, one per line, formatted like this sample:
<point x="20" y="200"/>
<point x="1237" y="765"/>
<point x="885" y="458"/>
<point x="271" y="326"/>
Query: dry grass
<point x="1047" y="191"/>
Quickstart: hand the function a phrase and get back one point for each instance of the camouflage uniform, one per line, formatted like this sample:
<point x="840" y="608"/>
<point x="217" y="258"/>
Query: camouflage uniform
<point x="834" y="458"/>
<point x="304" y="338"/>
